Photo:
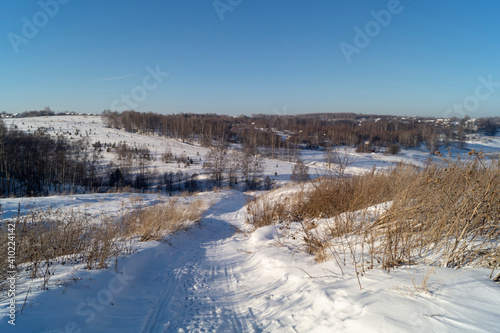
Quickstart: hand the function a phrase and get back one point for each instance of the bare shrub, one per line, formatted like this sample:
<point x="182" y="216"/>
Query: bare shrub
<point x="300" y="172"/>
<point x="394" y="149"/>
<point x="102" y="244"/>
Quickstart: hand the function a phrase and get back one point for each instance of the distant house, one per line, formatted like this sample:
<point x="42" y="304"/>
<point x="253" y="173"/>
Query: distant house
<point x="471" y="124"/>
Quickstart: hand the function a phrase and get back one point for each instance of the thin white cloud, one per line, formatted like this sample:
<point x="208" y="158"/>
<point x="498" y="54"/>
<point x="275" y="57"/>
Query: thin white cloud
<point x="116" y="78"/>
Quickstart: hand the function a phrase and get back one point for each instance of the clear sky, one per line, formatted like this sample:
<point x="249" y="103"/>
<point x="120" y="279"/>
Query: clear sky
<point x="421" y="57"/>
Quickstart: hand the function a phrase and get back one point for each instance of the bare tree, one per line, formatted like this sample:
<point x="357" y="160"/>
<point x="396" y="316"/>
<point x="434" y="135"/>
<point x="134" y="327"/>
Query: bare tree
<point x="143" y="179"/>
<point x="216" y="163"/>
<point x="268" y="183"/>
<point x="169" y="180"/>
<point x="337" y="161"/>
<point x="300" y="172"/>
<point x="251" y="168"/>
<point x="233" y="168"/>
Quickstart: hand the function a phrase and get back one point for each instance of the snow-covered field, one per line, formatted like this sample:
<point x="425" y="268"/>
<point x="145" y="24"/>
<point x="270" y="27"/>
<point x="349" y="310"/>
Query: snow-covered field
<point x="221" y="277"/>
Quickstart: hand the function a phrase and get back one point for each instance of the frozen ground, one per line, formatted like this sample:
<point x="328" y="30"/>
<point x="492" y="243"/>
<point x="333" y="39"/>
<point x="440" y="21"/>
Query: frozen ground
<point x="213" y="279"/>
<point x="93" y="204"/>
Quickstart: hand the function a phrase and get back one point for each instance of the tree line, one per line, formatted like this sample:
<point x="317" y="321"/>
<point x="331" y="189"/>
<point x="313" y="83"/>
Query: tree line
<point x="280" y="136"/>
<point x="36" y="164"/>
<point x="33" y="164"/>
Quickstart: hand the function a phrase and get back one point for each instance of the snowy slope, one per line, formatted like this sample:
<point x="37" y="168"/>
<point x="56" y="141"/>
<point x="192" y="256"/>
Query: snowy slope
<point x="212" y="279"/>
<point x="82" y="126"/>
<point x="91" y="127"/>
<point x="93" y="204"/>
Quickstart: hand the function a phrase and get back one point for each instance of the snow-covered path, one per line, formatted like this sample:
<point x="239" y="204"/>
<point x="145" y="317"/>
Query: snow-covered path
<point x="199" y="290"/>
<point x="188" y="284"/>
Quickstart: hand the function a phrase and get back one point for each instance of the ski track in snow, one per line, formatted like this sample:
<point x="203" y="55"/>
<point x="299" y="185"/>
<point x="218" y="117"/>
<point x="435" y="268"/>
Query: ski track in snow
<point x="201" y="289"/>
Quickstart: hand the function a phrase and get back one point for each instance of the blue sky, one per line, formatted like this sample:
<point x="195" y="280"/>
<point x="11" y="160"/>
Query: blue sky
<point x="420" y="57"/>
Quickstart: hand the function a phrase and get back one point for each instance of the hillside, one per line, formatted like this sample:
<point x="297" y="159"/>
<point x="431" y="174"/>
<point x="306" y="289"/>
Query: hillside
<point x="222" y="273"/>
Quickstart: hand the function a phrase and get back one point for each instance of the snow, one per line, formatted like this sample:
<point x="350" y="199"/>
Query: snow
<point x="92" y="127"/>
<point x="214" y="279"/>
<point x="222" y="276"/>
<point x="93" y="204"/>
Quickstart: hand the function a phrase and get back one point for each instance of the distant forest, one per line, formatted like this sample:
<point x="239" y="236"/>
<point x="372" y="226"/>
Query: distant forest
<point x="309" y="131"/>
<point x="34" y="164"/>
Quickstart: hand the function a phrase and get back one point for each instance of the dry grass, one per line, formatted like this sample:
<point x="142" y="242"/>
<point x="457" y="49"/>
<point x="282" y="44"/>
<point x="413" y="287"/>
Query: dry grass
<point x="448" y="215"/>
<point x="262" y="212"/>
<point x="156" y="222"/>
<point x="43" y="238"/>
<point x="445" y="214"/>
<point x="67" y="237"/>
<point x="331" y="196"/>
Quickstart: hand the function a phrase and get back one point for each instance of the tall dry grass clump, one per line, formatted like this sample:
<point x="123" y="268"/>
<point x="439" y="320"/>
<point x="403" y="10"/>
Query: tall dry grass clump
<point x="155" y="222"/>
<point x="335" y="195"/>
<point x="263" y="212"/>
<point x="330" y="196"/>
<point x="45" y="237"/>
<point x="447" y="213"/>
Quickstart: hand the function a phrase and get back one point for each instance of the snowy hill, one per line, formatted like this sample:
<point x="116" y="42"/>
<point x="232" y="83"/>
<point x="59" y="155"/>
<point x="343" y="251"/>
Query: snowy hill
<point x="222" y="275"/>
<point x="83" y="126"/>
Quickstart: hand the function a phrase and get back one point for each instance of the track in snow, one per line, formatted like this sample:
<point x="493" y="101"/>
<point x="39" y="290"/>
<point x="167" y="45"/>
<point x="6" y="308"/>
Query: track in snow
<point x="196" y="281"/>
<point x="199" y="291"/>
